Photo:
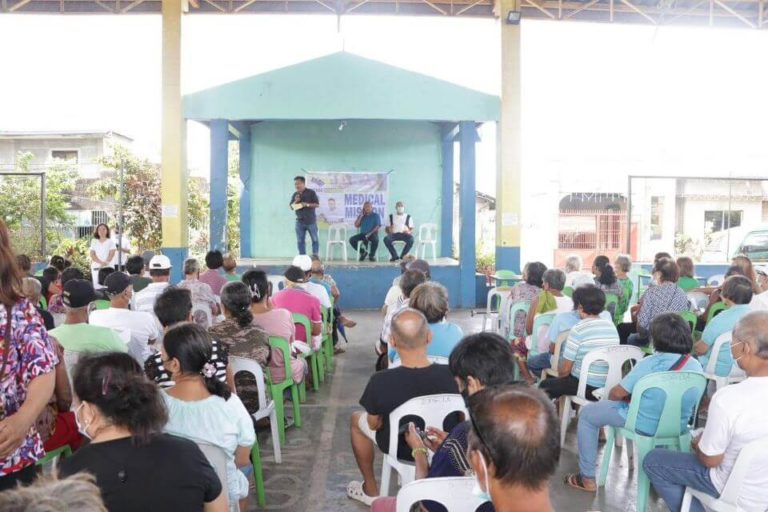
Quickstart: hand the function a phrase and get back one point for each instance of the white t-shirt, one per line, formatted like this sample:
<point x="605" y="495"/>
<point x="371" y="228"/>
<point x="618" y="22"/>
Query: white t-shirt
<point x="143" y="326"/>
<point x="578" y="278"/>
<point x="736" y="417"/>
<point x="319" y="292"/>
<point x="125" y="245"/>
<point x="760" y="302"/>
<point x="102" y="251"/>
<point x="145" y="299"/>
<point x="399" y="222"/>
<point x="564" y="304"/>
<point x="394" y="294"/>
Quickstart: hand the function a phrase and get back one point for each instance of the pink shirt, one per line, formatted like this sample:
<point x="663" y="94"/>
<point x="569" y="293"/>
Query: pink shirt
<point x="278" y="322"/>
<point x="299" y="301"/>
<point x="213" y="279"/>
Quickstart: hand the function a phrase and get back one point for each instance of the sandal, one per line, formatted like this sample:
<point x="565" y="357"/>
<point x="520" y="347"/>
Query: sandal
<point x="576" y="481"/>
<point x="355" y="491"/>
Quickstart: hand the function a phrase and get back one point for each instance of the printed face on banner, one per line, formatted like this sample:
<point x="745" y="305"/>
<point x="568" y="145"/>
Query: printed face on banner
<point x="342" y="195"/>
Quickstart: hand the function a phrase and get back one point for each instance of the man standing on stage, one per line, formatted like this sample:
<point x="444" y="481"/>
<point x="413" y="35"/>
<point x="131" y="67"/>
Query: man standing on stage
<point x="369" y="223"/>
<point x="400" y="229"/>
<point x="303" y="202"/>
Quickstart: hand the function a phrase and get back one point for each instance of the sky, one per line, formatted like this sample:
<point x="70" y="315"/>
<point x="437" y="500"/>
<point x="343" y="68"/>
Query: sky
<point x="596" y="98"/>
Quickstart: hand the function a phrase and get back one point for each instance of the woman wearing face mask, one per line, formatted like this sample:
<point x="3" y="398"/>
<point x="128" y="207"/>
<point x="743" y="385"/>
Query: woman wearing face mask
<point x="202" y="408"/>
<point x="136" y="467"/>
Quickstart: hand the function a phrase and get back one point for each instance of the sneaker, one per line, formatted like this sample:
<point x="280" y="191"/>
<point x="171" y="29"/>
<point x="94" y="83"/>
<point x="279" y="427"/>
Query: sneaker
<point x="363" y="255"/>
<point x="393" y="259"/>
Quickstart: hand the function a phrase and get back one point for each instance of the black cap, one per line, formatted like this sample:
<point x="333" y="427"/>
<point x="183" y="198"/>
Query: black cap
<point x="295" y="275"/>
<point x="117" y="282"/>
<point x="78" y="293"/>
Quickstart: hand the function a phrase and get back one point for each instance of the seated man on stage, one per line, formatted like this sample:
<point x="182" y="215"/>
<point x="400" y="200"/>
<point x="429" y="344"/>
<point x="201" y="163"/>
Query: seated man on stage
<point x="400" y="229"/>
<point x="369" y="223"/>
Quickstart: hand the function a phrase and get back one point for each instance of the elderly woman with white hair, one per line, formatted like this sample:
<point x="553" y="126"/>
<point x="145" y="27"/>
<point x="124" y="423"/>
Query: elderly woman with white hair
<point x="201" y="292"/>
<point x="574" y="275"/>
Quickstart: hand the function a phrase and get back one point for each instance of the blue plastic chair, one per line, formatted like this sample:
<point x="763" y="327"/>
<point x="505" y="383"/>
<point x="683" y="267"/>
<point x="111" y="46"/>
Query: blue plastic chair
<point x="539" y="321"/>
<point x="674" y="385"/>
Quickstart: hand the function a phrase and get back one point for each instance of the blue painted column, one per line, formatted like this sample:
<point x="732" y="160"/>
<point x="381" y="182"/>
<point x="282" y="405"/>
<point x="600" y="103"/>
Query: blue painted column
<point x="219" y="161"/>
<point x="467" y="213"/>
<point x="245" y="194"/>
<point x="446" y="213"/>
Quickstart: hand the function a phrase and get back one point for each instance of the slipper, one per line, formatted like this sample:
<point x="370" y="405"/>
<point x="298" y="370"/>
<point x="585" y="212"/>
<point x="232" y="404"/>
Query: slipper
<point x="338" y="350"/>
<point x="346" y="322"/>
<point x="576" y="481"/>
<point x="355" y="491"/>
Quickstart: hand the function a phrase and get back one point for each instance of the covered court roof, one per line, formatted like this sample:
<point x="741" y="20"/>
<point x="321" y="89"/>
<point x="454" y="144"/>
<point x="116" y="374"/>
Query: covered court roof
<point x="341" y="86"/>
<point x="728" y="13"/>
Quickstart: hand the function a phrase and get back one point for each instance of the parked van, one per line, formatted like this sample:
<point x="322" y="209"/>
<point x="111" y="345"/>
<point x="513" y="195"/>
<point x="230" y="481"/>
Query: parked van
<point x="754" y="245"/>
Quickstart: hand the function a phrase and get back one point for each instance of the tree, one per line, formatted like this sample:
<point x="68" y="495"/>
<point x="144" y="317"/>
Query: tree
<point x="142" y="204"/>
<point x="20" y="206"/>
<point x="233" y="200"/>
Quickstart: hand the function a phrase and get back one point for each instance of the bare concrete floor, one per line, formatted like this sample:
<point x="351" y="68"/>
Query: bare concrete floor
<point x="318" y="461"/>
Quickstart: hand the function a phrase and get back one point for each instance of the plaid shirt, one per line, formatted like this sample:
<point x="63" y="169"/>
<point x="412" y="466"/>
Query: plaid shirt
<point x="662" y="298"/>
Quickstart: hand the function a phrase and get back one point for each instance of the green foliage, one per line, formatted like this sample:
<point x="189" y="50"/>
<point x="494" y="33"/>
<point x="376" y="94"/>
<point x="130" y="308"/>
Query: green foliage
<point x="142" y="208"/>
<point x="20" y="205"/>
<point x="76" y="251"/>
<point x="485" y="262"/>
<point x="233" y="201"/>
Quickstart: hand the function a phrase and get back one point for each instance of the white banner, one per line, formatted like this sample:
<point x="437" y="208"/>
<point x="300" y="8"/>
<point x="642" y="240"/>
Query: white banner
<point x="342" y="195"/>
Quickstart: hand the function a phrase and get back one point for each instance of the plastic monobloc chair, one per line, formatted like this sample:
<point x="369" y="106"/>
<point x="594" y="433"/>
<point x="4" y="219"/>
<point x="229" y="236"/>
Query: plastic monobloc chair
<point x="276" y="389"/>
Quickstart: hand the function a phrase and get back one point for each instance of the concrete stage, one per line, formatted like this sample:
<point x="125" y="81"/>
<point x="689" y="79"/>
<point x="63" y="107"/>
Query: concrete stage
<point x="364" y="284"/>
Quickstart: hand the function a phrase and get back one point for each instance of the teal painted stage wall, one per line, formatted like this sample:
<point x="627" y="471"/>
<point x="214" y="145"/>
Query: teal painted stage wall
<point x="284" y="149"/>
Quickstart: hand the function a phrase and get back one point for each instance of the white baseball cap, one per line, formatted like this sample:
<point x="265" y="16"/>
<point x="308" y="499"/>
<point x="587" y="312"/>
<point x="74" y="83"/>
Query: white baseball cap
<point x="159" y="262"/>
<point x="303" y="261"/>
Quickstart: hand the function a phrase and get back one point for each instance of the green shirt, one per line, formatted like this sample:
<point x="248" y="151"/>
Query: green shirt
<point x="139" y="283"/>
<point x="232" y="277"/>
<point x="688" y="283"/>
<point x="88" y="338"/>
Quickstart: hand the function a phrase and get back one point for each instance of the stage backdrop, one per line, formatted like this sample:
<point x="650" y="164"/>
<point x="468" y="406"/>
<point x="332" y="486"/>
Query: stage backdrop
<point x="342" y="195"/>
<point x="409" y="151"/>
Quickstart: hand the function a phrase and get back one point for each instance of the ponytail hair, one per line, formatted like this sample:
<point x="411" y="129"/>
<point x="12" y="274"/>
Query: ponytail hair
<point x="114" y="383"/>
<point x="258" y="284"/>
<point x="192" y="347"/>
<point x="607" y="274"/>
<point x="236" y="299"/>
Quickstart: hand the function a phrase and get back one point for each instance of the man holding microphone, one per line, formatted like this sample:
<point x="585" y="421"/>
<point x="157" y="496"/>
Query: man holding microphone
<point x="369" y="223"/>
<point x="303" y="202"/>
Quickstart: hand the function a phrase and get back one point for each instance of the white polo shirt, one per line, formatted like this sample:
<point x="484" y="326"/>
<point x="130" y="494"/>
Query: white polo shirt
<point x="143" y="326"/>
<point x="145" y="299"/>
<point x="399" y="222"/>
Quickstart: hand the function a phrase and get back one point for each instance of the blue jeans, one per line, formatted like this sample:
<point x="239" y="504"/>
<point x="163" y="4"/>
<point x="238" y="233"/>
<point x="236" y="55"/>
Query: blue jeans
<point x="301" y="236"/>
<point x="637" y="340"/>
<point x="591" y="419"/>
<point x="539" y="363"/>
<point x="671" y="472"/>
<point x="398" y="237"/>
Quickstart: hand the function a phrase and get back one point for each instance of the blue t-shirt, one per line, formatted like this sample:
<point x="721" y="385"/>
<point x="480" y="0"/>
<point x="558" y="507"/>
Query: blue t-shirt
<point x="721" y="324"/>
<point x="652" y="402"/>
<point x="445" y="336"/>
<point x="369" y="222"/>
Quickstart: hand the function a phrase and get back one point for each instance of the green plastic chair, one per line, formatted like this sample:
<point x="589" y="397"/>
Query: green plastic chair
<point x="506" y="278"/>
<point x="513" y="311"/>
<point x="690" y="317"/>
<point x="539" y="321"/>
<point x="102" y="304"/>
<point x="311" y="357"/>
<point x="717" y="307"/>
<point x="328" y="338"/>
<point x="43" y="302"/>
<point x="52" y="456"/>
<point x="258" y="474"/>
<point x="276" y="390"/>
<point x="674" y="385"/>
<point x="611" y="299"/>
<point x="568" y="291"/>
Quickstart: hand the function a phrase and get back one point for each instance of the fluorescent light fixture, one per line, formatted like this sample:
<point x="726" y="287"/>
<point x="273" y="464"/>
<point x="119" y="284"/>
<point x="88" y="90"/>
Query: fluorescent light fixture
<point x="513" y="17"/>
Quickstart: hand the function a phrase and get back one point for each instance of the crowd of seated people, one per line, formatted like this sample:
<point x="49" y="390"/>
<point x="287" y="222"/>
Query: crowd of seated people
<point x="139" y="388"/>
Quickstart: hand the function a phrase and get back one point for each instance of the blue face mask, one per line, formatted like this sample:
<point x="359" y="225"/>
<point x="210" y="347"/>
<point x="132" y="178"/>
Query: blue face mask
<point x="477" y="490"/>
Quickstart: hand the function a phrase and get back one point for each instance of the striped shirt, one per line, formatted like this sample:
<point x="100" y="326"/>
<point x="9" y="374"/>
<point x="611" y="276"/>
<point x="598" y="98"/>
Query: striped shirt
<point x="590" y="334"/>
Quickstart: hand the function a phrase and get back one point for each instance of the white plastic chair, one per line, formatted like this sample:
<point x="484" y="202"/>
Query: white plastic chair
<point x="278" y="282"/>
<point x="554" y="360"/>
<point x="615" y="357"/>
<point x="723" y="342"/>
<point x="454" y="493"/>
<point x="698" y="301"/>
<point x="494" y="294"/>
<point x="433" y="409"/>
<point x="716" y="280"/>
<point x="266" y="406"/>
<point x="337" y="236"/>
<point x="199" y="308"/>
<point x="427" y="237"/>
<point x="740" y="474"/>
<point x="217" y="458"/>
<point x="363" y="245"/>
<point x="432" y="359"/>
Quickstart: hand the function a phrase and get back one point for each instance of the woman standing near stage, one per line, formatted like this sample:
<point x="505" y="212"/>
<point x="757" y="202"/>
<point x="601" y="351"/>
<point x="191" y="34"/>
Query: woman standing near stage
<point x="102" y="251"/>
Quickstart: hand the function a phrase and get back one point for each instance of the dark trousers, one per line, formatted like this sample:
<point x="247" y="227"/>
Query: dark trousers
<point x="25" y="476"/>
<point x="398" y="237"/>
<point x="563" y="386"/>
<point x="373" y="240"/>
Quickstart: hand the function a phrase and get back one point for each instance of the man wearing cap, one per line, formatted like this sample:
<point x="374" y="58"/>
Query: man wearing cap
<point x="160" y="273"/>
<point x="400" y="229"/>
<point x="76" y="334"/>
<point x="297" y="300"/>
<point x="142" y="325"/>
<point x="317" y="290"/>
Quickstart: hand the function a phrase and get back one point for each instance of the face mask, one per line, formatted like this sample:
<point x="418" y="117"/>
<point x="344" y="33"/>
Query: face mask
<point x="736" y="359"/>
<point x="477" y="490"/>
<point x="400" y="210"/>
<point x="83" y="429"/>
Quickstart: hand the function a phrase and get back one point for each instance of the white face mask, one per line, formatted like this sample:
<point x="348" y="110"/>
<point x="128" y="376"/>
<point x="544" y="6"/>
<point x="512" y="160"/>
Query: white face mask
<point x="82" y="428"/>
<point x="736" y="359"/>
<point x="400" y="210"/>
<point x="477" y="490"/>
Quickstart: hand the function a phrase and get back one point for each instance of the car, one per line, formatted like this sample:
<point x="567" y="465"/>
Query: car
<point x="754" y="245"/>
